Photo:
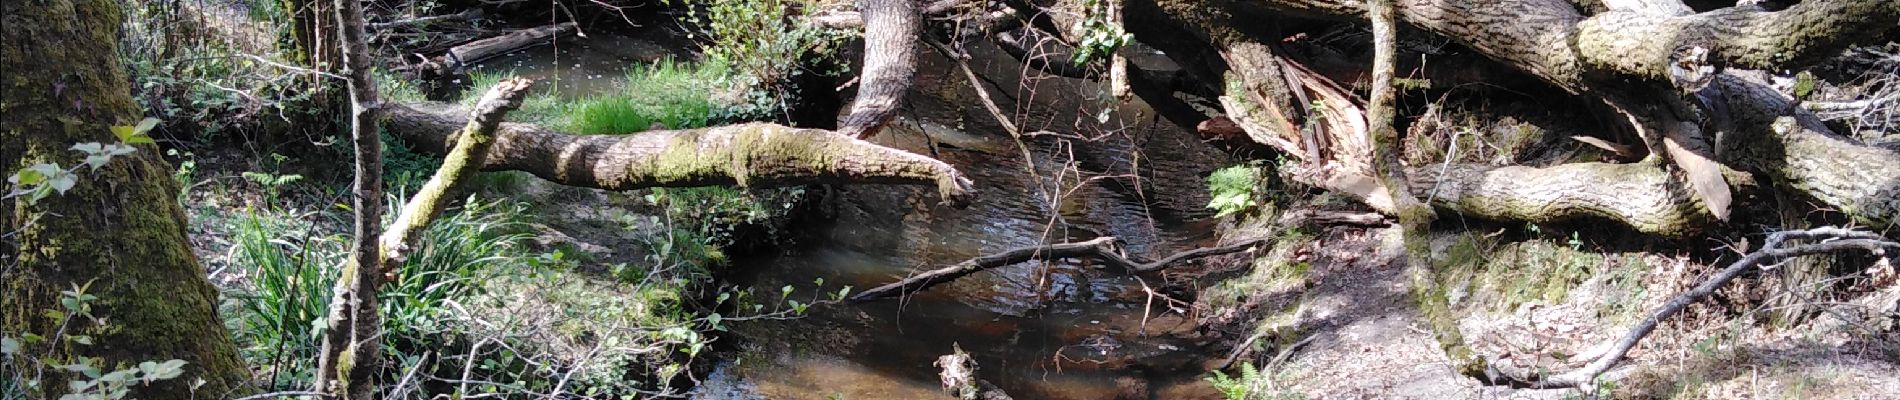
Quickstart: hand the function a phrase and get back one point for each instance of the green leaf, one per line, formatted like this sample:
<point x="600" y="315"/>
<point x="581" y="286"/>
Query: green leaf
<point x="9" y="346"/>
<point x="171" y="369"/>
<point x="120" y="376"/>
<point x="63" y="181"/>
<point x="140" y="133"/>
<point x="123" y="132"/>
<point x="81" y="339"/>
<point x="89" y="147"/>
<point x="97" y="160"/>
<point x="35" y="174"/>
<point x="120" y="149"/>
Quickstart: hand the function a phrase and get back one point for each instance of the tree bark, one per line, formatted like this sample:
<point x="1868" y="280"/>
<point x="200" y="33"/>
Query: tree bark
<point x="1546" y="38"/>
<point x="119" y="230"/>
<point x="891" y="29"/>
<point x="1415" y="217"/>
<point x="352" y="346"/>
<point x="750" y="155"/>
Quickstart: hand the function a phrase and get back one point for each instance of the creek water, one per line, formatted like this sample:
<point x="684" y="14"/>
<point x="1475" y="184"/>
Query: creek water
<point x="1063" y="330"/>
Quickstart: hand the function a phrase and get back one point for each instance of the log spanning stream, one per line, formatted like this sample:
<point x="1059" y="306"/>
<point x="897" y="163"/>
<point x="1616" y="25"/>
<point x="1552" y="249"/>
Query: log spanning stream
<point x="1063" y="330"/>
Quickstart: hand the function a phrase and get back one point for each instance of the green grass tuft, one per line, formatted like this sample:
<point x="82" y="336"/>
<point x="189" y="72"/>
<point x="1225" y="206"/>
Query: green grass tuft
<point x="666" y="95"/>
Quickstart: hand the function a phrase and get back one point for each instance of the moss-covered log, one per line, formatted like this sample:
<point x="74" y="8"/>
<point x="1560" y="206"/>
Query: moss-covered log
<point x="119" y="231"/>
<point x="748" y="155"/>
<point x="1641" y="196"/>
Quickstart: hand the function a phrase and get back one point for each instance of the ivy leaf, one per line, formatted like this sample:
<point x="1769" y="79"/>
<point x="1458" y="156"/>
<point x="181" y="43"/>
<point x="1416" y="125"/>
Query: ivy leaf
<point x="62" y="181"/>
<point x="136" y="134"/>
<point x="97" y="160"/>
<point x="90" y="147"/>
<point x="33" y="175"/>
<point x="170" y="369"/>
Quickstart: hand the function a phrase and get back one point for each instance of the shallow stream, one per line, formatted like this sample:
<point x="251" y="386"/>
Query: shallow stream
<point x="1063" y="330"/>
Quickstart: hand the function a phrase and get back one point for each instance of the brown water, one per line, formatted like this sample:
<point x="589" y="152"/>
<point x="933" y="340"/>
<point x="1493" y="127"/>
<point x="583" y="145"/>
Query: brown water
<point x="1040" y="331"/>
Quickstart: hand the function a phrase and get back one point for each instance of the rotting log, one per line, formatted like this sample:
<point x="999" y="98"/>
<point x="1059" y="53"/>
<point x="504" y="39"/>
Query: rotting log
<point x="746" y="155"/>
<point x="476" y="51"/>
<point x="1773" y="135"/>
<point x="460" y="56"/>
<point x="1540" y="38"/>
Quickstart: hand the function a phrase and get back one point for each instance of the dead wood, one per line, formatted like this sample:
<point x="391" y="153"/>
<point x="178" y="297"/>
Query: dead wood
<point x="746" y="155"/>
<point x="1106" y="249"/>
<point x="452" y="62"/>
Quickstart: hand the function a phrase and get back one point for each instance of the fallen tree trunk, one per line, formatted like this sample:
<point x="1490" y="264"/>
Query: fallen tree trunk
<point x="479" y="50"/>
<point x="748" y="155"/>
<point x="1773" y="135"/>
<point x="1642" y="196"/>
<point x="450" y="63"/>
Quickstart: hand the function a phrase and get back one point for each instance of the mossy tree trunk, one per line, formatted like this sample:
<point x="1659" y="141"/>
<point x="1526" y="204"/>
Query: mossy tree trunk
<point x="119" y="231"/>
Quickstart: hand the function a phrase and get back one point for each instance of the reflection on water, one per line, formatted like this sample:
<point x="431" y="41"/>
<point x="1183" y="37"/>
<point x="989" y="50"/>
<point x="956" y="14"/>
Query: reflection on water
<point x="1067" y="330"/>
<point x="584" y="66"/>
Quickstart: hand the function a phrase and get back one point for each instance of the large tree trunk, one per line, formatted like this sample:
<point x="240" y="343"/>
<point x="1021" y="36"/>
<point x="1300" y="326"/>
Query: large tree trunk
<point x="119" y="231"/>
<point x="890" y="63"/>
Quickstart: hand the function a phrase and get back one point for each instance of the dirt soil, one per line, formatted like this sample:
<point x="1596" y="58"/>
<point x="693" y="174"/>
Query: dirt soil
<point x="1368" y="340"/>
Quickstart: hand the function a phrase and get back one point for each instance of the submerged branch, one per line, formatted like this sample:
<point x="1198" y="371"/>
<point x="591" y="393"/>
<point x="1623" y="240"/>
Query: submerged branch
<point x="1104" y="249"/>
